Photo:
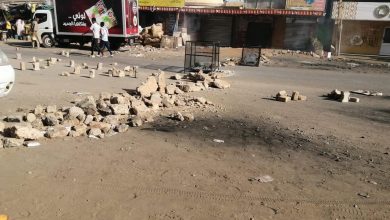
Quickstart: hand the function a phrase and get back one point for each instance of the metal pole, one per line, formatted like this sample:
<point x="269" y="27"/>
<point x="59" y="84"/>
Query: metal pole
<point x="340" y="26"/>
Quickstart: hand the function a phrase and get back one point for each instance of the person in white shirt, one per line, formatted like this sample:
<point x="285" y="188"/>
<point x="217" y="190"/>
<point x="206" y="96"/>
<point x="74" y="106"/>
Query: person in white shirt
<point x="95" y="28"/>
<point x="20" y="25"/>
<point x="104" y="43"/>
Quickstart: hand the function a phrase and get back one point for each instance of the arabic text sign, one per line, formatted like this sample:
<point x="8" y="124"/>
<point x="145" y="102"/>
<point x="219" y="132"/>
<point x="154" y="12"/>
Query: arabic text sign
<point x="314" y="5"/>
<point x="162" y="3"/>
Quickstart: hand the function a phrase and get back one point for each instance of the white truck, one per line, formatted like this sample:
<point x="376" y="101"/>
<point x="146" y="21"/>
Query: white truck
<point x="69" y="21"/>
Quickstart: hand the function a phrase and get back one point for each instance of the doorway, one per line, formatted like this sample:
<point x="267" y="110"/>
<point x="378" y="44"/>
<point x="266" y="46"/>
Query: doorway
<point x="259" y="35"/>
<point x="385" y="47"/>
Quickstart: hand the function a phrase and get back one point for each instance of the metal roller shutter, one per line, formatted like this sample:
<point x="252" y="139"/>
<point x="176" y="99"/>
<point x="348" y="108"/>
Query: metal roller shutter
<point x="217" y="28"/>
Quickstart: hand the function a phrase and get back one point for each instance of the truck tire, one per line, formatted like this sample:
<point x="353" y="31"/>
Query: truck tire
<point x="47" y="41"/>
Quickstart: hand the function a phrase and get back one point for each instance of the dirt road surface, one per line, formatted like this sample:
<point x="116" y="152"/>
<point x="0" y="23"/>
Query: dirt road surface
<point x="328" y="160"/>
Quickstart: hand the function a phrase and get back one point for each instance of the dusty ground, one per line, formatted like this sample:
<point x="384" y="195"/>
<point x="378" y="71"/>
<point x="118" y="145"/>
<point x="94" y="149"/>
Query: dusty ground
<point x="329" y="160"/>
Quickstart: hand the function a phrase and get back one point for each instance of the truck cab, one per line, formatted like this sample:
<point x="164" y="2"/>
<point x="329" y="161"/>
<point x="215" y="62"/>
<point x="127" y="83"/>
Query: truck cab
<point x="46" y="27"/>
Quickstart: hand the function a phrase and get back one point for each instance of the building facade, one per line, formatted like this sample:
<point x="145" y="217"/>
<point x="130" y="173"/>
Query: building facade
<point x="362" y="27"/>
<point x="289" y="24"/>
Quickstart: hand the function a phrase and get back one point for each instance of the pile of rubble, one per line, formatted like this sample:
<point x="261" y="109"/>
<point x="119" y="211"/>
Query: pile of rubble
<point x="152" y="35"/>
<point x="342" y="96"/>
<point x="283" y="96"/>
<point x="109" y="114"/>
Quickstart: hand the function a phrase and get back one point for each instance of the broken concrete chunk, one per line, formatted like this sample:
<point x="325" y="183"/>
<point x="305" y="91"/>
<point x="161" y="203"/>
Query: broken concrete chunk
<point x="170" y="89"/>
<point x="177" y="116"/>
<point x="188" y="117"/>
<point x="120" y="109"/>
<point x="99" y="66"/>
<point x="161" y="82"/>
<point x="283" y="98"/>
<point x="22" y="66"/>
<point x="77" y="70"/>
<point x="201" y="100"/>
<point x="72" y="64"/>
<point x="149" y="87"/>
<point x="220" y="84"/>
<point x="2" y="126"/>
<point x="302" y="98"/>
<point x="95" y="132"/>
<point x="39" y="110"/>
<point x="50" y="120"/>
<point x="74" y="112"/>
<point x="92" y="73"/>
<point x="36" y="66"/>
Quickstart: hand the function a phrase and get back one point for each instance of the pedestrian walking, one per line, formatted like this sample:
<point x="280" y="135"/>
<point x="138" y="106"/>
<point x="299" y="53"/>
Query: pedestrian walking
<point x="95" y="28"/>
<point x="104" y="43"/>
<point x="8" y="27"/>
<point x="20" y="25"/>
<point x="35" y="39"/>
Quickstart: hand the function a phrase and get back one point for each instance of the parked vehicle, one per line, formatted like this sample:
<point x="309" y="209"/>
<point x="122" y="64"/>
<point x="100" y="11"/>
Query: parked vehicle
<point x="70" y="20"/>
<point x="7" y="75"/>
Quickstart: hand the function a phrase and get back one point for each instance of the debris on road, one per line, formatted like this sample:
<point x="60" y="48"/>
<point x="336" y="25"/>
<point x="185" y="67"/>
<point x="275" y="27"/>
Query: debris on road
<point x="282" y="96"/>
<point x="218" y="141"/>
<point x="367" y="93"/>
<point x="262" y="179"/>
<point x="342" y="96"/>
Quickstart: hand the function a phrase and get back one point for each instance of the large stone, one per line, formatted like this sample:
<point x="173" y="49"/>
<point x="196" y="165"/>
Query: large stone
<point x="119" y="99"/>
<point x="302" y="98"/>
<point x="170" y="89"/>
<point x="57" y="132"/>
<point x="12" y="142"/>
<point x="74" y="113"/>
<point x="2" y="126"/>
<point x="177" y="116"/>
<point x="78" y="130"/>
<point x="188" y="117"/>
<point x="149" y="87"/>
<point x="138" y="107"/>
<point x="95" y="132"/>
<point x="105" y="127"/>
<point x="50" y="120"/>
<point x="295" y="96"/>
<point x="88" y="105"/>
<point x="92" y="73"/>
<point x="30" y="117"/>
<point x="23" y="132"/>
<point x="113" y="120"/>
<point x="22" y="66"/>
<point x="136" y="121"/>
<point x="283" y="98"/>
<point x="178" y="91"/>
<point x="220" y="84"/>
<point x="201" y="100"/>
<point x="38" y="124"/>
<point x="88" y="119"/>
<point x="122" y="128"/>
<point x="161" y="82"/>
<point x="39" y="110"/>
<point x="71" y="122"/>
<point x="120" y="109"/>
<point x="105" y="96"/>
<point x="156" y="100"/>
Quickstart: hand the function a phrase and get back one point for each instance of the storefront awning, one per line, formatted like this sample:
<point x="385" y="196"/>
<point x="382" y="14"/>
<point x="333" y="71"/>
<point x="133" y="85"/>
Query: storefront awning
<point x="234" y="11"/>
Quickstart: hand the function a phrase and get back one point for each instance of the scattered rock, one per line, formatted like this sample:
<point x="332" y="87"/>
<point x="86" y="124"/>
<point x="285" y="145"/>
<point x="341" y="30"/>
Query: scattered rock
<point x="120" y="109"/>
<point x="51" y="109"/>
<point x="23" y="132"/>
<point x="75" y="113"/>
<point x="177" y="77"/>
<point x="12" y="142"/>
<point x="2" y="126"/>
<point x="36" y="66"/>
<point x="88" y="119"/>
<point x="136" y="121"/>
<point x="92" y="73"/>
<point x="39" y="110"/>
<point x="149" y="87"/>
<point x="88" y="105"/>
<point x="220" y="84"/>
<point x="78" y="130"/>
<point x="105" y="127"/>
<point x="201" y="100"/>
<point x="50" y="120"/>
<point x="161" y="82"/>
<point x="138" y="107"/>
<point x="177" y="116"/>
<point x="170" y="89"/>
<point x="302" y="98"/>
<point x="58" y="131"/>
<point x="95" y="132"/>
<point x="22" y="66"/>
<point x="30" y="117"/>
<point x="188" y="117"/>
<point x="295" y="96"/>
<point x="99" y="66"/>
<point x="283" y="98"/>
<point x="122" y="128"/>
<point x="64" y="74"/>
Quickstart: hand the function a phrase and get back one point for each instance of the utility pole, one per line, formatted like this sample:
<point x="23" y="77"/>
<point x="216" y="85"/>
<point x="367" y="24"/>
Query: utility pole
<point x="340" y="25"/>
